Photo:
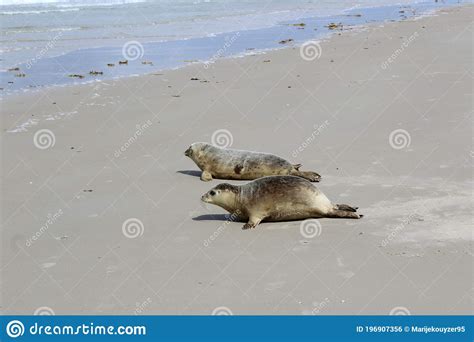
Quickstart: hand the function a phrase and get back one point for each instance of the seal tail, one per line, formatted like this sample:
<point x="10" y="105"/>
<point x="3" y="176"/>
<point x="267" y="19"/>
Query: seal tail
<point x="344" y="211"/>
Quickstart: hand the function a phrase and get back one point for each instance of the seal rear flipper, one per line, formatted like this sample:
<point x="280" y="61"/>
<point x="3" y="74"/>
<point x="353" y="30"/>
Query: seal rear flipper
<point x="346" y="207"/>
<point x="297" y="166"/>
<point x="337" y="213"/>
<point x="309" y="175"/>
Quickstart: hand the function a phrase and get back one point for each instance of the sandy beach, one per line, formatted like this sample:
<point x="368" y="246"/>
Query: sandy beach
<point x="101" y="210"/>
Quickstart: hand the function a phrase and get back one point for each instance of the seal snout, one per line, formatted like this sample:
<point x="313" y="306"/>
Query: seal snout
<point x="208" y="196"/>
<point x="188" y="152"/>
<point x="205" y="198"/>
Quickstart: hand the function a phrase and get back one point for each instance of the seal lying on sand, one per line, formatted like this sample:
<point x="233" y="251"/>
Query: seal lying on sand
<point x="237" y="164"/>
<point x="276" y="198"/>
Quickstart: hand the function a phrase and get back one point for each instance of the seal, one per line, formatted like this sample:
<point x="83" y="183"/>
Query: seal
<point x="276" y="198"/>
<point x="242" y="165"/>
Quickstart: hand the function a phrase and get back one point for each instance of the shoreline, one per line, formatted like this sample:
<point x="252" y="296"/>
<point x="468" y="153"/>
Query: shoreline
<point x="227" y="45"/>
<point x="396" y="142"/>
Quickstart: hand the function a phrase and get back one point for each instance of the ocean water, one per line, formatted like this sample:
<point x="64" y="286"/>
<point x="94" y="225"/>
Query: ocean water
<point x="49" y="40"/>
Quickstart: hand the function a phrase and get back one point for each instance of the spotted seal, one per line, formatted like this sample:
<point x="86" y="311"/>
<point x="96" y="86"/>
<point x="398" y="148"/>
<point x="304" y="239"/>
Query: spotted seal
<point x="276" y="198"/>
<point x="242" y="165"/>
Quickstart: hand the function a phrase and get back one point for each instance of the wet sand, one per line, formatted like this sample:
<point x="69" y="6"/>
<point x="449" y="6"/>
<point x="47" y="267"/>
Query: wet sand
<point x="383" y="114"/>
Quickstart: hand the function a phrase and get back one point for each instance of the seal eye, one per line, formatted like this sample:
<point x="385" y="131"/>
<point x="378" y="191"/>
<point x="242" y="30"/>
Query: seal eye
<point x="212" y="192"/>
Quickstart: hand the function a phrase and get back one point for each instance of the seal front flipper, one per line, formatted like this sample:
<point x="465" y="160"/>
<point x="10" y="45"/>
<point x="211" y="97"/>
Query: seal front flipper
<point x="206" y="176"/>
<point x="252" y="223"/>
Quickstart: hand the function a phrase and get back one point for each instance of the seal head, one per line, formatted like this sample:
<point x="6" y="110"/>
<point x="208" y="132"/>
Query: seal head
<point x="223" y="195"/>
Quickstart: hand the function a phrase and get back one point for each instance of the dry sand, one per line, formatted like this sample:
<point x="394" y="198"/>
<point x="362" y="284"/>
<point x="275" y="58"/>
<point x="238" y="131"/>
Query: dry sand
<point x="411" y="251"/>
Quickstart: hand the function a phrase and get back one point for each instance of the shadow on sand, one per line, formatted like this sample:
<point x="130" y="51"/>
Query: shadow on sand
<point x="190" y="173"/>
<point x="213" y="217"/>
